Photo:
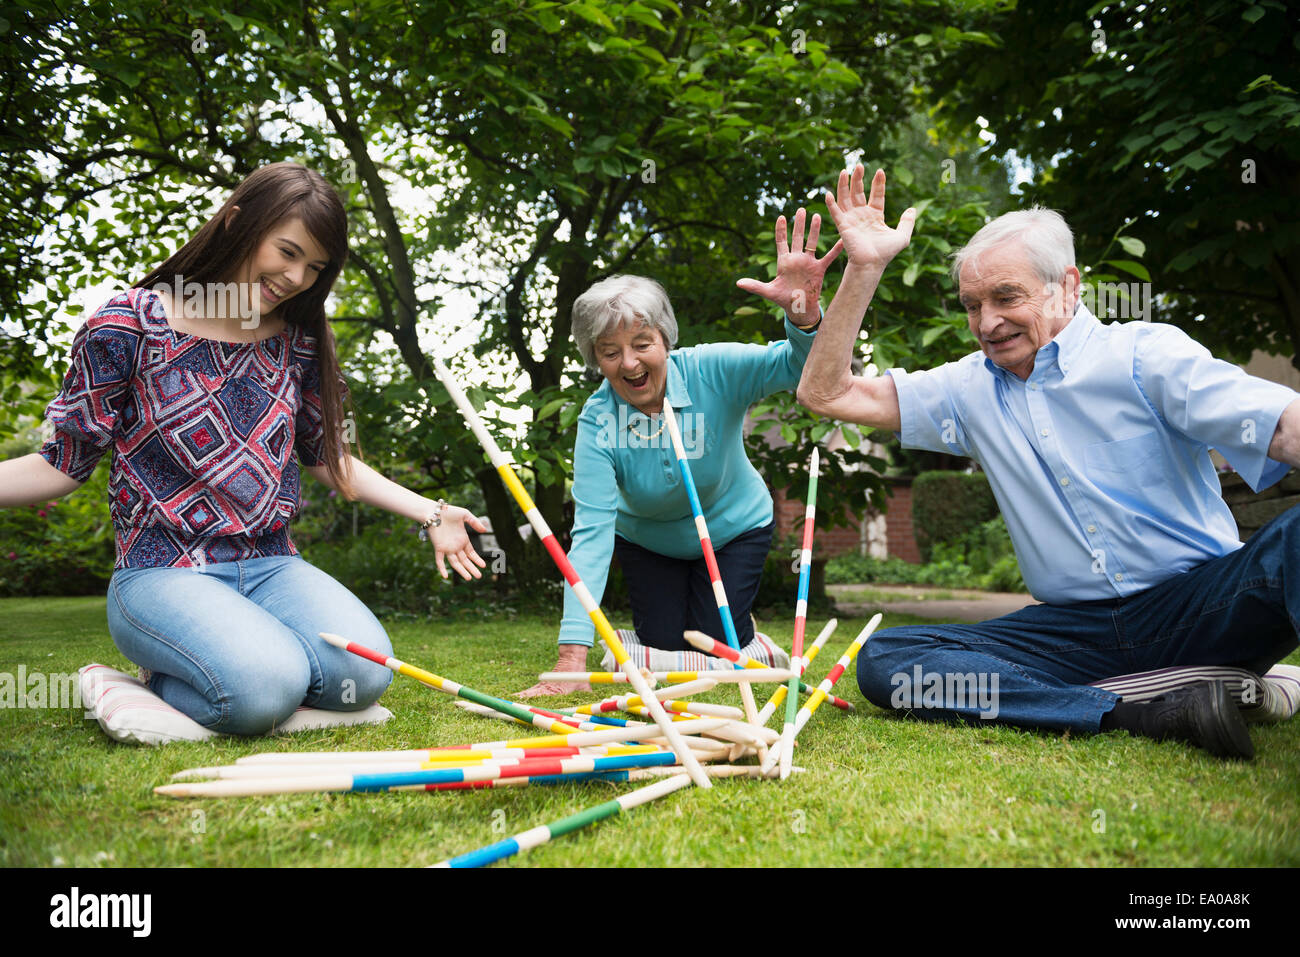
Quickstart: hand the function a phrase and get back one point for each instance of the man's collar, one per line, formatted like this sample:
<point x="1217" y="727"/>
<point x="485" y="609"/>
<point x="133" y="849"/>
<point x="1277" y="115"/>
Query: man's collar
<point x="1071" y="340"/>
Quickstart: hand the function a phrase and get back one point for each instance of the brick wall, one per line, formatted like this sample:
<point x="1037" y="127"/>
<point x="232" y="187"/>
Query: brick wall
<point x="901" y="543"/>
<point x="828" y="543"/>
<point x="1254" y="511"/>
<point x="900" y="540"/>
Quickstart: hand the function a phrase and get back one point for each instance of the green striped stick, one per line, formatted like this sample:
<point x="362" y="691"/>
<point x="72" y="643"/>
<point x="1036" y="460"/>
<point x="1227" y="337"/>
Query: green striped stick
<point x="800" y="617"/>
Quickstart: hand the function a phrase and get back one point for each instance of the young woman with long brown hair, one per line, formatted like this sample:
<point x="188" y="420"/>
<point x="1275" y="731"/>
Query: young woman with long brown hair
<point x="212" y="380"/>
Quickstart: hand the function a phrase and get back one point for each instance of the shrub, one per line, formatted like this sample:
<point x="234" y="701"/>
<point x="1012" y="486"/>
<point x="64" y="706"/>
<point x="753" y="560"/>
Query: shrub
<point x="947" y="505"/>
<point x="63" y="547"/>
<point x="396" y="576"/>
<point x="982" y="558"/>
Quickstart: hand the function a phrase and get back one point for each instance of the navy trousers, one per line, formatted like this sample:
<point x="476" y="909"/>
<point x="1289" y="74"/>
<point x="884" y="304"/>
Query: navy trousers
<point x="1032" y="667"/>
<point x="670" y="595"/>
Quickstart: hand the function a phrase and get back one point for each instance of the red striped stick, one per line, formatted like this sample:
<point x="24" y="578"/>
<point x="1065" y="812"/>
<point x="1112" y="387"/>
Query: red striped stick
<point x="800" y="615"/>
<point x="711" y="646"/>
<point x="823" y="689"/>
<point x="603" y="628"/>
<point x="710" y="560"/>
<point x="779" y="694"/>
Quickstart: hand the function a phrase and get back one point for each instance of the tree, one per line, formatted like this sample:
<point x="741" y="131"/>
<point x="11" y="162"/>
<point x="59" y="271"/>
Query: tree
<point x="518" y="150"/>
<point x="1181" y="118"/>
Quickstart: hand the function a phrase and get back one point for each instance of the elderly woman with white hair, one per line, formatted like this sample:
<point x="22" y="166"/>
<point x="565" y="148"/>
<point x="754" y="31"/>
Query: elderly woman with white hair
<point x="629" y="498"/>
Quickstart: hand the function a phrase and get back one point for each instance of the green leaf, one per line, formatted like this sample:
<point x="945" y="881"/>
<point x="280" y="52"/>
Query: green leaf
<point x="911" y="272"/>
<point x="1133" y="246"/>
<point x="1252" y="14"/>
<point x="557" y="123"/>
<point x="1136" y="269"/>
<point x="593" y="15"/>
<point x="1196" y="161"/>
<point x="930" y="335"/>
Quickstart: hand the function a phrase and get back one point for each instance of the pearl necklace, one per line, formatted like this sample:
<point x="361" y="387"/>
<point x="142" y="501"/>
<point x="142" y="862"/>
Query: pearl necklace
<point x="646" y="438"/>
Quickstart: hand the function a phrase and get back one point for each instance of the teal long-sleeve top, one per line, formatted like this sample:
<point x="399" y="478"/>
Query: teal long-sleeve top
<point x="629" y="485"/>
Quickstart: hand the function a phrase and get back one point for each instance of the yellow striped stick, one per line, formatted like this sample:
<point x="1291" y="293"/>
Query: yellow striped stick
<point x="779" y="694"/>
<point x="757" y="674"/>
<point x="824" y="688"/>
<point x="603" y="628"/>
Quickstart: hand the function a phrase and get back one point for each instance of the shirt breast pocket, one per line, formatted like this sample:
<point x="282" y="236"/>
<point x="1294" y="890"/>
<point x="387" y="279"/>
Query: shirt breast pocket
<point x="1126" y="462"/>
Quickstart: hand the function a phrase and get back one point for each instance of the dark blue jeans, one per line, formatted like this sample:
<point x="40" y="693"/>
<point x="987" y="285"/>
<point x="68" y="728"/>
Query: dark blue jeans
<point x="1032" y="667"/>
<point x="670" y="595"/>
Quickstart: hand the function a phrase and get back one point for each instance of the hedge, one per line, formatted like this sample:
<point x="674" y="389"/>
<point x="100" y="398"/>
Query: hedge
<point x="948" y="505"/>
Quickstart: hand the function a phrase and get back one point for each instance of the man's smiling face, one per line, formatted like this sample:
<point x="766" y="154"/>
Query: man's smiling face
<point x="1011" y="311"/>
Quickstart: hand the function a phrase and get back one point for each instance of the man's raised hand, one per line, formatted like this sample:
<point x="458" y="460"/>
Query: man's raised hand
<point x="797" y="287"/>
<point x="861" y="222"/>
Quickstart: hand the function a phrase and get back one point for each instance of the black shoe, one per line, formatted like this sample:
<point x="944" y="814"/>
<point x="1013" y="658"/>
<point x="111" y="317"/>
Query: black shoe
<point x="1201" y="714"/>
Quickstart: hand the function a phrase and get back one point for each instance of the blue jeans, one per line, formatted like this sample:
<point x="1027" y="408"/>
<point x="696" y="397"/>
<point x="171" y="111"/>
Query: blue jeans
<point x="1242" y="609"/>
<point x="669" y="595"/>
<point x="236" y="645"/>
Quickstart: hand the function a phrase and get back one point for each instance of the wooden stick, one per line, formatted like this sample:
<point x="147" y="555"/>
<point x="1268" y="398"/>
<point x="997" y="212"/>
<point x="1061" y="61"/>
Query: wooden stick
<point x="341" y="780"/>
<point x="712" y="646"/>
<point x="622" y="703"/>
<point x="594" y="722"/>
<point x="706" y="546"/>
<point x="439" y="759"/>
<point x="779" y="694"/>
<point x="824" y="688"/>
<point x="540" y="835"/>
<point x="755" y="675"/>
<point x="800" y="615"/>
<point x="505" y="469"/>
<point x="643" y="732"/>
<point x="554" y="723"/>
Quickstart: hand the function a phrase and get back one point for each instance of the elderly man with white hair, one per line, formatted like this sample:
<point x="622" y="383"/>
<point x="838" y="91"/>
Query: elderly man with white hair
<point x="629" y="497"/>
<point x="1095" y="439"/>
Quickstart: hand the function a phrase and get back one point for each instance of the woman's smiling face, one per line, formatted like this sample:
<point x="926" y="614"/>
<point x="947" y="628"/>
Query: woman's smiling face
<point x="634" y="358"/>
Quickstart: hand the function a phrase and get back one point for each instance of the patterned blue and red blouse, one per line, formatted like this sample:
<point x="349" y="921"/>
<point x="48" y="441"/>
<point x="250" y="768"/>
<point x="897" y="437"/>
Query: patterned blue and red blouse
<point x="203" y="434"/>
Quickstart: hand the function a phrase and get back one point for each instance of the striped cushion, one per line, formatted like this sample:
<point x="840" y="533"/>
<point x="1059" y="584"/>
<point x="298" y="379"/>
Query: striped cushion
<point x="1274" y="697"/>
<point x="762" y="649"/>
<point x="131" y="713"/>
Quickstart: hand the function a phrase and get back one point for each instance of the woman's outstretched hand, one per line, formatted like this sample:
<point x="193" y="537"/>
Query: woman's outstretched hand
<point x="451" y="542"/>
<point x="797" y="287"/>
<point x="861" y="221"/>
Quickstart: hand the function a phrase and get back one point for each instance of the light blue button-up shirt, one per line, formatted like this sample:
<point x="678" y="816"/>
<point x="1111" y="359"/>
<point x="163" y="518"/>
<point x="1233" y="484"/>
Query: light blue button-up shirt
<point x="1099" y="460"/>
<point x="626" y="478"/>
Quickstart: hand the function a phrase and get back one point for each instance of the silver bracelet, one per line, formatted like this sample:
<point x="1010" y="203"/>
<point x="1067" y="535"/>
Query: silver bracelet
<point x="433" y="520"/>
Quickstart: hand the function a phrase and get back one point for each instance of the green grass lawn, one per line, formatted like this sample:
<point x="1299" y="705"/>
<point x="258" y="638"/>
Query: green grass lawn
<point x="878" y="791"/>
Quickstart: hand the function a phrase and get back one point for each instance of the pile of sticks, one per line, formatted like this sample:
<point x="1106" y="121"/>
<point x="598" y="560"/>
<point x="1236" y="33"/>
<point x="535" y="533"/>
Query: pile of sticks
<point x="682" y="744"/>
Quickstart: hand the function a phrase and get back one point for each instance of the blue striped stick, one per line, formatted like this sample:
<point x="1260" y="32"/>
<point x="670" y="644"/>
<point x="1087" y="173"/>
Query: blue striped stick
<point x="706" y="546"/>
<point x="383" y="781"/>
